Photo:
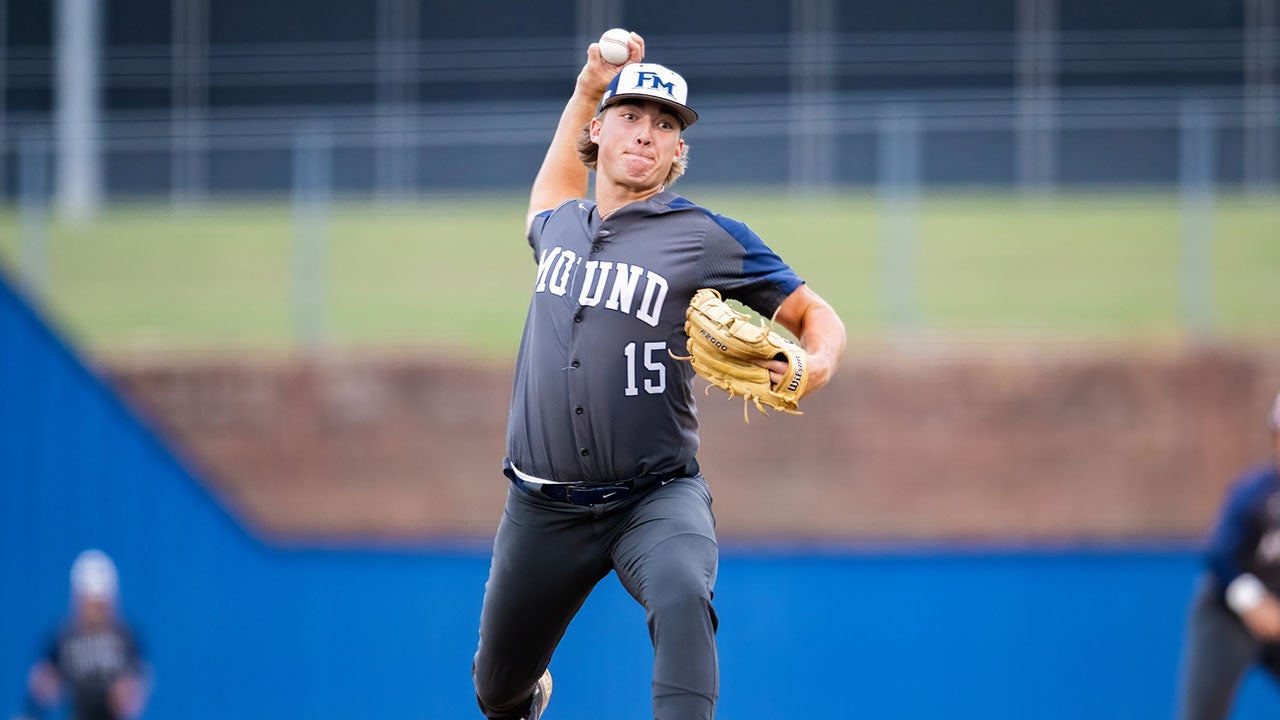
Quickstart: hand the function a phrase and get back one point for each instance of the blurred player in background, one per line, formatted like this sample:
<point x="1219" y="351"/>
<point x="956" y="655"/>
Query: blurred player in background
<point x="94" y="660"/>
<point x="602" y="432"/>
<point x="1235" y="616"/>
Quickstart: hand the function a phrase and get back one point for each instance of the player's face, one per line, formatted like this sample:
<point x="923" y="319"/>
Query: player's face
<point x="94" y="611"/>
<point x="638" y="143"/>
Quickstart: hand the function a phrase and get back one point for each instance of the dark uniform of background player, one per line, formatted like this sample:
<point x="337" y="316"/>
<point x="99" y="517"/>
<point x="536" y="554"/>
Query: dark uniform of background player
<point x="94" y="659"/>
<point x="602" y="433"/>
<point x="1235" y="617"/>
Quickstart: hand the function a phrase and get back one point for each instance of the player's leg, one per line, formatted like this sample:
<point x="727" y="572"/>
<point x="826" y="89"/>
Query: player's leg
<point x="545" y="563"/>
<point x="666" y="557"/>
<point x="1218" y="651"/>
<point x="1269" y="659"/>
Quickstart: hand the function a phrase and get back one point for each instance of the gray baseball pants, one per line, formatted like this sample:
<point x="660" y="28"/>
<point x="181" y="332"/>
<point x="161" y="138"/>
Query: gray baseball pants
<point x="1218" y="651"/>
<point x="547" y="557"/>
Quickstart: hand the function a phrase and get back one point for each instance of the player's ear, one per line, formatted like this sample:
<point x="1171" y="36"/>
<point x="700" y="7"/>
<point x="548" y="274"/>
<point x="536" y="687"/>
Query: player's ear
<point x="593" y="129"/>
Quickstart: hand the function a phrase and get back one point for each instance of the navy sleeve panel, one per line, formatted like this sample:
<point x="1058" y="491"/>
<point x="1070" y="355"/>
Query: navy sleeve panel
<point x="741" y="266"/>
<point x="1239" y="528"/>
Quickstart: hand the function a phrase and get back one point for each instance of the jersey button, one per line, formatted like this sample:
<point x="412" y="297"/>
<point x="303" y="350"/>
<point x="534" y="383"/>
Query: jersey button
<point x="577" y="318"/>
<point x="575" y="364"/>
<point x="584" y="452"/>
<point x="578" y="410"/>
<point x="597" y="247"/>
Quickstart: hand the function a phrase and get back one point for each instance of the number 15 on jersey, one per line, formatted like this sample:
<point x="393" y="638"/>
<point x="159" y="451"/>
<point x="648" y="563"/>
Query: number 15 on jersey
<point x="651" y="354"/>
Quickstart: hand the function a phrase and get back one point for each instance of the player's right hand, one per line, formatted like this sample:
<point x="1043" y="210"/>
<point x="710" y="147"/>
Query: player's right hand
<point x="1264" y="619"/>
<point x="597" y="74"/>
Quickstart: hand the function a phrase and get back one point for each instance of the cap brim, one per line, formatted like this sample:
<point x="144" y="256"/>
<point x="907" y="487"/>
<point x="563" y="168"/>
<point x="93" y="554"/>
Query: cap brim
<point x="686" y="115"/>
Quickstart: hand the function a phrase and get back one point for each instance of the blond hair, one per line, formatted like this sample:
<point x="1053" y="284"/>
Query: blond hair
<point x="589" y="154"/>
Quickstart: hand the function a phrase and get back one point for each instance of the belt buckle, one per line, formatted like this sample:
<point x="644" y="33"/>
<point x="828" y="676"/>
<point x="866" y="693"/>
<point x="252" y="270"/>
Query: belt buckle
<point x="545" y="490"/>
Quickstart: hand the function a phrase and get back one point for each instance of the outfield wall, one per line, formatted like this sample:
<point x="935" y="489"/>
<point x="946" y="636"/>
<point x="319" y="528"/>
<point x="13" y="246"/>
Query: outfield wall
<point x="1050" y="442"/>
<point x="246" y="625"/>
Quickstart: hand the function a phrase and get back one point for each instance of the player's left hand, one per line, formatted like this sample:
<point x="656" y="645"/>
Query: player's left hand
<point x="777" y="370"/>
<point x="127" y="697"/>
<point x="741" y="358"/>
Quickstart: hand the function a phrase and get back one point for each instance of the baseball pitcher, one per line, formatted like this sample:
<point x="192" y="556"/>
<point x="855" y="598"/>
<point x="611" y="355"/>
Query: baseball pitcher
<point x="602" y="439"/>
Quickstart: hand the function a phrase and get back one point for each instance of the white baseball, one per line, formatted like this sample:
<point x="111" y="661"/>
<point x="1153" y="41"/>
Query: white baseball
<point x="613" y="46"/>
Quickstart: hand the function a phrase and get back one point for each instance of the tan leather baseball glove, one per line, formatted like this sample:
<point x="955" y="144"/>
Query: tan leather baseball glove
<point x="723" y="345"/>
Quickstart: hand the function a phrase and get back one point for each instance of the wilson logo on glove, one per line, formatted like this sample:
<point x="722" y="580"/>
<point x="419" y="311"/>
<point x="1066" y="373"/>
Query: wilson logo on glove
<point x="797" y="376"/>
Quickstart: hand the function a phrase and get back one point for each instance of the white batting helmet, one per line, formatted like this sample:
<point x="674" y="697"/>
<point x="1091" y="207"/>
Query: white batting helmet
<point x="94" y="575"/>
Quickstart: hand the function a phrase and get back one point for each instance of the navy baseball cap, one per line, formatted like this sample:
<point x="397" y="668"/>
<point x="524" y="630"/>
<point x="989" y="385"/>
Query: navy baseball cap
<point x="650" y="81"/>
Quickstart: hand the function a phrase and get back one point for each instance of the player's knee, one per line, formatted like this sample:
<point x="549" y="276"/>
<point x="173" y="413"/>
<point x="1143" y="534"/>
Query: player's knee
<point x="497" y="694"/>
<point x="681" y="590"/>
<point x="683" y="611"/>
<point x="681" y="583"/>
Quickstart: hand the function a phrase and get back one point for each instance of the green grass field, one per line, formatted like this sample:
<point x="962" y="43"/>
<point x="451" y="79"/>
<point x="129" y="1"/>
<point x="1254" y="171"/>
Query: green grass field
<point x="457" y="272"/>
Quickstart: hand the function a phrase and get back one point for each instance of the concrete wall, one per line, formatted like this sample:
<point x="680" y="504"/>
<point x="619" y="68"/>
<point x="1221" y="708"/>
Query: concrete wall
<point x="1050" y="443"/>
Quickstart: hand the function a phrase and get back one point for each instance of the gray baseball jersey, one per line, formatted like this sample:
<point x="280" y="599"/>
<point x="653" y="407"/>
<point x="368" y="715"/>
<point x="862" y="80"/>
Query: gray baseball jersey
<point x="597" y="398"/>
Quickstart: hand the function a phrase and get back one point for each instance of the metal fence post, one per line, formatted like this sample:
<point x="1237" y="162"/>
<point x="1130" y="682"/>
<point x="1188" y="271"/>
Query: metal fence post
<point x="189" y="109"/>
<point x="397" y="70"/>
<point x="1035" y="121"/>
<point x="811" y="161"/>
<point x="1261" y="94"/>
<point x="78" y="107"/>
<point x="4" y="92"/>
<point x="312" y="179"/>
<point x="898" y="198"/>
<point x="1196" y="169"/>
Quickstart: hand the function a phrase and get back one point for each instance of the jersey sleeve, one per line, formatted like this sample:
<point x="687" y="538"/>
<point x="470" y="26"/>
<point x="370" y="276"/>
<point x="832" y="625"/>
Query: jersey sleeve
<point x="535" y="231"/>
<point x="738" y="263"/>
<point x="1237" y="531"/>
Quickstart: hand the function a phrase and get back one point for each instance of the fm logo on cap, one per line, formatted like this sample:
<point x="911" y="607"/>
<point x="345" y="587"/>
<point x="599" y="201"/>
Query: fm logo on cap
<point x="655" y="81"/>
